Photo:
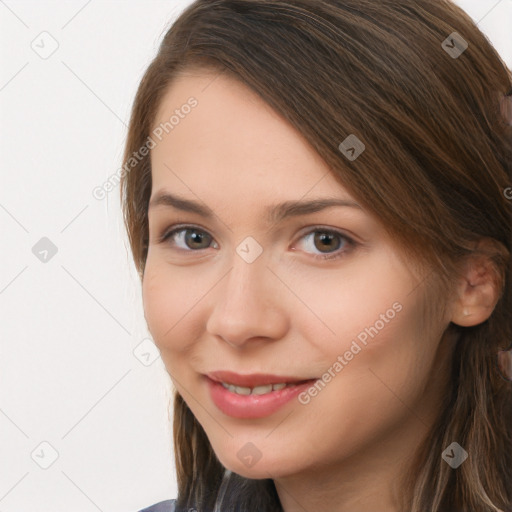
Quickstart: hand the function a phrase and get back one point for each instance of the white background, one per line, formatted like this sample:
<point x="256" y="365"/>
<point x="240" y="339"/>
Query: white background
<point x="68" y="327"/>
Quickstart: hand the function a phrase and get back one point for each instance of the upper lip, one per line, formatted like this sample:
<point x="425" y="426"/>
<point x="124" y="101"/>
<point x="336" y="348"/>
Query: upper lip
<point x="253" y="379"/>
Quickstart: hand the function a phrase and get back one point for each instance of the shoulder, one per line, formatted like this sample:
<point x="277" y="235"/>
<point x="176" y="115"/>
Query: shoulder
<point x="162" y="506"/>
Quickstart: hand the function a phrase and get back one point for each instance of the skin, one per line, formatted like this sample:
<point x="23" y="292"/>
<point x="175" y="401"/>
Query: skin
<point x="288" y="313"/>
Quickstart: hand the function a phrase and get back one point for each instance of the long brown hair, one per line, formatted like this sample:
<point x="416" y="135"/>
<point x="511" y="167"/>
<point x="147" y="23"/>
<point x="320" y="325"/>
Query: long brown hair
<point x="437" y="160"/>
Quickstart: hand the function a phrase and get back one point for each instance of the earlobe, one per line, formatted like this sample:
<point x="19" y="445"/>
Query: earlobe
<point x="478" y="292"/>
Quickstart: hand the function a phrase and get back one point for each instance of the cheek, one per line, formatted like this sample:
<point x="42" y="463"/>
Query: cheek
<point x="372" y="393"/>
<point x="380" y="356"/>
<point x="362" y="301"/>
<point x="382" y="343"/>
<point x="169" y="298"/>
<point x="389" y="374"/>
<point x="155" y="298"/>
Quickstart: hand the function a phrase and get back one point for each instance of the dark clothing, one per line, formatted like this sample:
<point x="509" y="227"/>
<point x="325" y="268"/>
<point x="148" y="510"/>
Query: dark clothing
<point x="163" y="506"/>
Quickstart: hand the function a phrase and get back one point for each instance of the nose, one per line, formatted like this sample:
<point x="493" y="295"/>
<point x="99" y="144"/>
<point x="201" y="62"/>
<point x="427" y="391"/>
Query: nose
<point x="248" y="304"/>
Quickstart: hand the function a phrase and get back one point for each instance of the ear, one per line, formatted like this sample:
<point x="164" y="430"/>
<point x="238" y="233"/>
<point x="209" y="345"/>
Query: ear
<point x="478" y="290"/>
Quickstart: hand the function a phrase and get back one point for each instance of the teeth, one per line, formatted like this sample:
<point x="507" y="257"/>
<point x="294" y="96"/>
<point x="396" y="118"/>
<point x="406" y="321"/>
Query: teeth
<point x="258" y="390"/>
<point x="241" y="390"/>
<point x="261" y="390"/>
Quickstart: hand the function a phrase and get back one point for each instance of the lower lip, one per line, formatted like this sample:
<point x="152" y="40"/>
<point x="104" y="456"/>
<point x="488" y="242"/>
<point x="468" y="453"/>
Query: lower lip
<point x="253" y="406"/>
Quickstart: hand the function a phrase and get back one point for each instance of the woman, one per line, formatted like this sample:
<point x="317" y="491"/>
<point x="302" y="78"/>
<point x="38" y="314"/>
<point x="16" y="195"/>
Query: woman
<point x="367" y="376"/>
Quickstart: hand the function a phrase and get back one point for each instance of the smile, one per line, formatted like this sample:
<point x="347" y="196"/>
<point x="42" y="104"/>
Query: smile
<point x="253" y="396"/>
<point x="258" y="390"/>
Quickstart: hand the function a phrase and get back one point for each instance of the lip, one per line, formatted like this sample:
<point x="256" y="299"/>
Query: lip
<point x="253" y="379"/>
<point x="253" y="406"/>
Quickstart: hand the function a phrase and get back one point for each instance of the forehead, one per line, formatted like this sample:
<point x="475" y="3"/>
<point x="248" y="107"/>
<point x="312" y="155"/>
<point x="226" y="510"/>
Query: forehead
<point x="232" y="142"/>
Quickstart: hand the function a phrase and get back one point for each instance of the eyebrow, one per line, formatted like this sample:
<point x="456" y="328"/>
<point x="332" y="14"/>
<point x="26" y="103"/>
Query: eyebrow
<point x="275" y="213"/>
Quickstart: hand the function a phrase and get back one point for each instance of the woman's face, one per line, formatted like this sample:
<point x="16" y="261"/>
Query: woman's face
<point x="305" y="293"/>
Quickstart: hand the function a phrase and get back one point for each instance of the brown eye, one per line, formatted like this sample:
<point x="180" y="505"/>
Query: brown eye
<point x="188" y="238"/>
<point x="327" y="243"/>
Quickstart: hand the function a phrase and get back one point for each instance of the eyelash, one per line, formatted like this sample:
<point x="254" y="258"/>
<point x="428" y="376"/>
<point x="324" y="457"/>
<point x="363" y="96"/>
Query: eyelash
<point x="339" y="253"/>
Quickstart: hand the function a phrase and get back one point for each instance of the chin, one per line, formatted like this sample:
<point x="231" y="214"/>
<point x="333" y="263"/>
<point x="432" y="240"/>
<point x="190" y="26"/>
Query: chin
<point x="258" y="472"/>
<point x="262" y="469"/>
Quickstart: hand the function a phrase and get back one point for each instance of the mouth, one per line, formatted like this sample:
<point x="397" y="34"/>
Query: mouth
<point x="255" y="383"/>
<point x="257" y="390"/>
<point x="254" y="395"/>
